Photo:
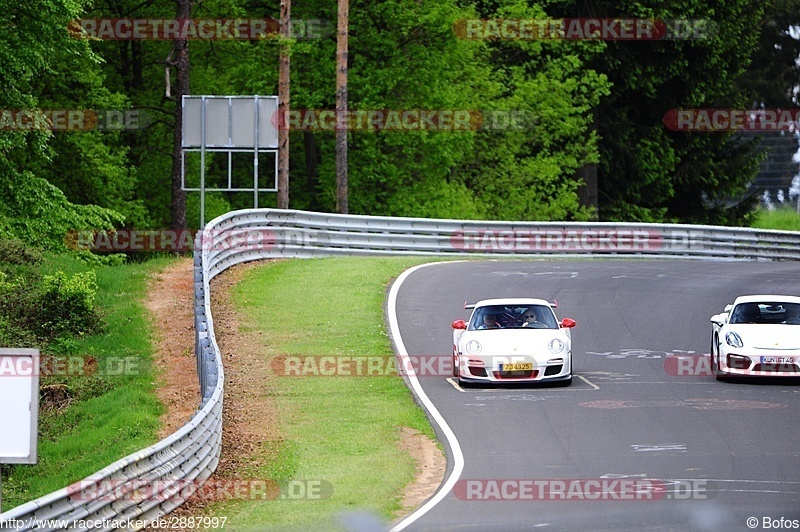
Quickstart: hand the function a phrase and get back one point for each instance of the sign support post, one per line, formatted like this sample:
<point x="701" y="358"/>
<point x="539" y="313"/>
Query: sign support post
<point x="227" y="125"/>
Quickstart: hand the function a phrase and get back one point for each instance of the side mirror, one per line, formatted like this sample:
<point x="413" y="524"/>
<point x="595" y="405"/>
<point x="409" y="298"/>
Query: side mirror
<point x="718" y="319"/>
<point x="459" y="324"/>
<point x="567" y="323"/>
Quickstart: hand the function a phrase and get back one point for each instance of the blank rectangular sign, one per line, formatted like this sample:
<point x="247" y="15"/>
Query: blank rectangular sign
<point x="19" y="405"/>
<point x="228" y="122"/>
<point x="268" y="123"/>
<point x="192" y="118"/>
<point x="217" y="122"/>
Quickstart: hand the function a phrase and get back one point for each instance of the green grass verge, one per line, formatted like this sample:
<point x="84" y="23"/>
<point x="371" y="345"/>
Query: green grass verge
<point x="783" y="219"/>
<point x="99" y="416"/>
<point x="342" y="430"/>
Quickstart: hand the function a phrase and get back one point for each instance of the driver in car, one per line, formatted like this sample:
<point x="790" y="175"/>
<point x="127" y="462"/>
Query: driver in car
<point x="792" y="316"/>
<point x="531" y="318"/>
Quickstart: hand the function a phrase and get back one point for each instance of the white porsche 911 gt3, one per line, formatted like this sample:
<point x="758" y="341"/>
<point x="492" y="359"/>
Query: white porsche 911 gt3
<point x="513" y="340"/>
<point x="757" y="336"/>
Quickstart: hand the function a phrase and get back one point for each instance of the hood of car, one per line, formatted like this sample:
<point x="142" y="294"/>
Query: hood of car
<point x="515" y="341"/>
<point x="766" y="336"/>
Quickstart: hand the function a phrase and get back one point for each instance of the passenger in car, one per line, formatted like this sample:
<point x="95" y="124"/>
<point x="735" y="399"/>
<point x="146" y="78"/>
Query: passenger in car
<point x="746" y="313"/>
<point x="490" y="322"/>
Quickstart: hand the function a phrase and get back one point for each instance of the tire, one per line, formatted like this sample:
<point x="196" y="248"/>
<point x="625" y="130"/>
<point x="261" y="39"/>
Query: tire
<point x="456" y="372"/>
<point x="712" y="355"/>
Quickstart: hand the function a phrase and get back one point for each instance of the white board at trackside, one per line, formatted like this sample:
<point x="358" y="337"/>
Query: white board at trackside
<point x="19" y="405"/>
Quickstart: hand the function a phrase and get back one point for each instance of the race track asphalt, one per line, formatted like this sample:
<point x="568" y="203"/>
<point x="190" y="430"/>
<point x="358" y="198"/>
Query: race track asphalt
<point x="715" y="453"/>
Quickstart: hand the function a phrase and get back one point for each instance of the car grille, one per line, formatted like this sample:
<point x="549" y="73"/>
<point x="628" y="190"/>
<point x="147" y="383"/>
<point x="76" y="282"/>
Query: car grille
<point x="553" y="370"/>
<point x="477" y="371"/>
<point x="528" y="374"/>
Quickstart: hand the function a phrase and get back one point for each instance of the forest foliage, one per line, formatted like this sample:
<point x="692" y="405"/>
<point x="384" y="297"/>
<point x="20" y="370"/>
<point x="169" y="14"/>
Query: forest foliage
<point x="591" y="105"/>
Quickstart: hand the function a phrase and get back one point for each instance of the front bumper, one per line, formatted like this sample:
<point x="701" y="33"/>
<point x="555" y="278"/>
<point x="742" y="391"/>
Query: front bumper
<point x="763" y="363"/>
<point x="475" y="370"/>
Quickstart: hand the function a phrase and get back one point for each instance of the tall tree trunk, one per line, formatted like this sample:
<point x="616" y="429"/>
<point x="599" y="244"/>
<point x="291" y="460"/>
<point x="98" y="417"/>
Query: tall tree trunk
<point x="341" y="107"/>
<point x="180" y="51"/>
<point x="587" y="192"/>
<point x="312" y="171"/>
<point x="137" y="74"/>
<point x="284" y="72"/>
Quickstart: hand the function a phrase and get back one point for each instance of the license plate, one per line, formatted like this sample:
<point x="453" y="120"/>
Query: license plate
<point x="518" y="366"/>
<point x="777" y="360"/>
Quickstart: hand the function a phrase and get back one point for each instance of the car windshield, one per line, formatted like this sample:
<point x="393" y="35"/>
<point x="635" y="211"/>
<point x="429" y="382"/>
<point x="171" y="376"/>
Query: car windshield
<point x="513" y="317"/>
<point x="767" y="312"/>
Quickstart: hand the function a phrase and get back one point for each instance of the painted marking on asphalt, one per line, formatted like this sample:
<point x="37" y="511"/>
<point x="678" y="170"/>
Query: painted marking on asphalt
<point x="455" y="384"/>
<point x="794" y="486"/>
<point x="587" y="381"/>
<point x="633" y="352"/>
<point x="660" y="275"/>
<point x="697" y="404"/>
<point x="659" y="447"/>
<point x="572" y="275"/>
<point x="514" y="397"/>
<point x="609" y="375"/>
<point x="571" y="388"/>
<point x="455" y="448"/>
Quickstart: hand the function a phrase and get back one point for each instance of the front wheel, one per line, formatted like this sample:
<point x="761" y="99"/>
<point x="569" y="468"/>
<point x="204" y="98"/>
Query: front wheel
<point x="712" y="355"/>
<point x="456" y="372"/>
<point x="715" y="360"/>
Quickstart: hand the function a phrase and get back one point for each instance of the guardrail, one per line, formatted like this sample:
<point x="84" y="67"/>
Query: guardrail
<point x="179" y="464"/>
<point x="168" y="472"/>
<point x="259" y="233"/>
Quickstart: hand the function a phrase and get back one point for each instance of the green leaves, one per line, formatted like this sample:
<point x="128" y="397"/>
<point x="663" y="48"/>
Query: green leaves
<point x="585" y="103"/>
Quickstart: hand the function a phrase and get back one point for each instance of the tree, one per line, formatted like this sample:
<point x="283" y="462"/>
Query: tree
<point x="179" y="59"/>
<point x="646" y="172"/>
<point x="343" y="28"/>
<point x="31" y="50"/>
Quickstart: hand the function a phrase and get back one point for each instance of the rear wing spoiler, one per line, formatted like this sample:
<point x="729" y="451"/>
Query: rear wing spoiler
<point x="471" y="306"/>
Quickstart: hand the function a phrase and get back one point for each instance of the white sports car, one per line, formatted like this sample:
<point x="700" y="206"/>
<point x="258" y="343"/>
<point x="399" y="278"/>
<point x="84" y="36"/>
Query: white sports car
<point x="757" y="336"/>
<point x="512" y="340"/>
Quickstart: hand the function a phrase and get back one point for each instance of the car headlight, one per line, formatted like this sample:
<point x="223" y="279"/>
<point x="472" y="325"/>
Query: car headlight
<point x="733" y="339"/>
<point x="473" y="347"/>
<point x="555" y="346"/>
